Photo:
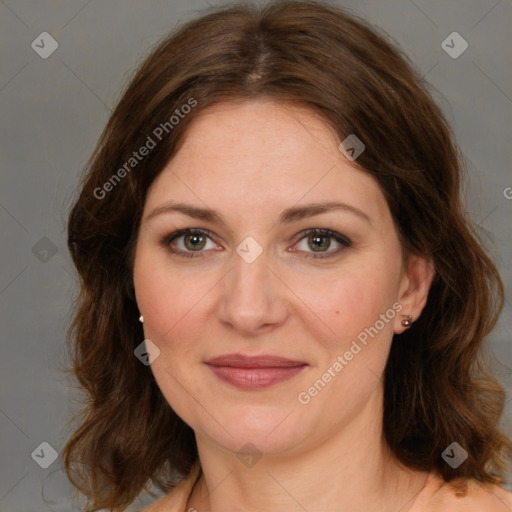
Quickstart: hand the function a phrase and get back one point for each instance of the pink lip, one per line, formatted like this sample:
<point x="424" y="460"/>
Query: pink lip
<point x="254" y="372"/>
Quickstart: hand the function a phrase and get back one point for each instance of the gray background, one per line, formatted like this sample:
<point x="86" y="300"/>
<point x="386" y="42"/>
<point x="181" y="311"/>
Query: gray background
<point x="53" y="111"/>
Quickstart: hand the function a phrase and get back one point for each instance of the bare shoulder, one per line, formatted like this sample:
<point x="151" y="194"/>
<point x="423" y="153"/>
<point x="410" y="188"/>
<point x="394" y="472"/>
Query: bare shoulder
<point x="492" y="498"/>
<point x="464" y="495"/>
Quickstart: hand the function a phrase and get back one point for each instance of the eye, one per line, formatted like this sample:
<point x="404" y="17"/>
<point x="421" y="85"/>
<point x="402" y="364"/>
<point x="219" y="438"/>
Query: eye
<point x="320" y="240"/>
<point x="188" y="241"/>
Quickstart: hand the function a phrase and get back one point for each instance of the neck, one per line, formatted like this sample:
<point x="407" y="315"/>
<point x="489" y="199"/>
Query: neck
<point x="351" y="470"/>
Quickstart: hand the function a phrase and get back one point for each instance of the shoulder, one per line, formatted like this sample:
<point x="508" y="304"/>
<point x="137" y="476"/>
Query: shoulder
<point x="462" y="495"/>
<point x="176" y="500"/>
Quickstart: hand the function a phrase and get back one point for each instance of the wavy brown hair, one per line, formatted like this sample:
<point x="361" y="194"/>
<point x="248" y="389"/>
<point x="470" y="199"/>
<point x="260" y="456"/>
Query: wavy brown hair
<point x="437" y="387"/>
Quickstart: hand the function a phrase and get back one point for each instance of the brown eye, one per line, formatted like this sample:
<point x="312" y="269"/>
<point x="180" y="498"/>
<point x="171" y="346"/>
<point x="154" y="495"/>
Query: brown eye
<point x="186" y="242"/>
<point x="319" y="241"/>
<point x="194" y="241"/>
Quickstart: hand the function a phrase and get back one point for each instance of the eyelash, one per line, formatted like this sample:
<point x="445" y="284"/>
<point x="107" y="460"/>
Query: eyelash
<point x="344" y="241"/>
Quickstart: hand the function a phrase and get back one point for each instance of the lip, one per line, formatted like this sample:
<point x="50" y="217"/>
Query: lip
<point x="254" y="372"/>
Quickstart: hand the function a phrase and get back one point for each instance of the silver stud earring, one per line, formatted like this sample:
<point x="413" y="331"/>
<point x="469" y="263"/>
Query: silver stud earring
<point x="408" y="321"/>
<point x="141" y="319"/>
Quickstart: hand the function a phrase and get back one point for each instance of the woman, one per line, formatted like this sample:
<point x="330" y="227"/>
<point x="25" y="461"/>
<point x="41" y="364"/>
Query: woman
<point x="282" y="304"/>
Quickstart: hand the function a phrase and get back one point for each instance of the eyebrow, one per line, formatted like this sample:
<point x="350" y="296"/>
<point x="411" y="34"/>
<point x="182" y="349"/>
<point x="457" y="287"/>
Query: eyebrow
<point x="293" y="214"/>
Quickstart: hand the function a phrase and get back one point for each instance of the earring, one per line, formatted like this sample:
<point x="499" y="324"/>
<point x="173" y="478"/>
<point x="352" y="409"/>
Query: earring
<point x="141" y="319"/>
<point x="408" y="321"/>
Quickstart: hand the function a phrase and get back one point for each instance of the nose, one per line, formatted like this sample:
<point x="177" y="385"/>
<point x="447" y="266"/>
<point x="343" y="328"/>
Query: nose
<point x="253" y="299"/>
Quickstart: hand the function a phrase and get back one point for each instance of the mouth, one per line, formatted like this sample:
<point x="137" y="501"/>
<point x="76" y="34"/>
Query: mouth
<point x="254" y="372"/>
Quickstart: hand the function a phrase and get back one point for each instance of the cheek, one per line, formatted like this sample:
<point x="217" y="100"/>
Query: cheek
<point x="348" y="302"/>
<point x="172" y="303"/>
<point x="358" y="307"/>
<point x="168" y="298"/>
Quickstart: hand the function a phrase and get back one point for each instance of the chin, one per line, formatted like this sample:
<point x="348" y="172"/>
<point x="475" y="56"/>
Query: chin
<point x="262" y="428"/>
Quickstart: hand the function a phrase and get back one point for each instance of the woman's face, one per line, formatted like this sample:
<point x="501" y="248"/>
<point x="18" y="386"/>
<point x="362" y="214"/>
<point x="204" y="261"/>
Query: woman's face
<point x="250" y="281"/>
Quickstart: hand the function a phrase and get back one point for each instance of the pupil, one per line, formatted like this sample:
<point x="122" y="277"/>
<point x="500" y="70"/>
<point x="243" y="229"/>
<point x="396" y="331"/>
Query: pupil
<point x="316" y="239"/>
<point x="195" y="240"/>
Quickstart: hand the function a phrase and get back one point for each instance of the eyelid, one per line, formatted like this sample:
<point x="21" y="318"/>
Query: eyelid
<point x="168" y="239"/>
<point x="343" y="240"/>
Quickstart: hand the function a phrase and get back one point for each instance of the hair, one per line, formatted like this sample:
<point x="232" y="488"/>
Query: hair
<point x="437" y="387"/>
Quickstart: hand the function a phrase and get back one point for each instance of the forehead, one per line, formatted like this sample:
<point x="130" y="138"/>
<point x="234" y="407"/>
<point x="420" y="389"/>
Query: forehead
<point x="260" y="154"/>
<point x="259" y="130"/>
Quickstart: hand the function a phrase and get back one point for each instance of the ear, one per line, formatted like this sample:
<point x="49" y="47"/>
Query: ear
<point x="414" y="287"/>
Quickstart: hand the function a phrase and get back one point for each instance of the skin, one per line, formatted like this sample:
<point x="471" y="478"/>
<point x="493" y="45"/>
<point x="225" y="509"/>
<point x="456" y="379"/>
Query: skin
<point x="249" y="161"/>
